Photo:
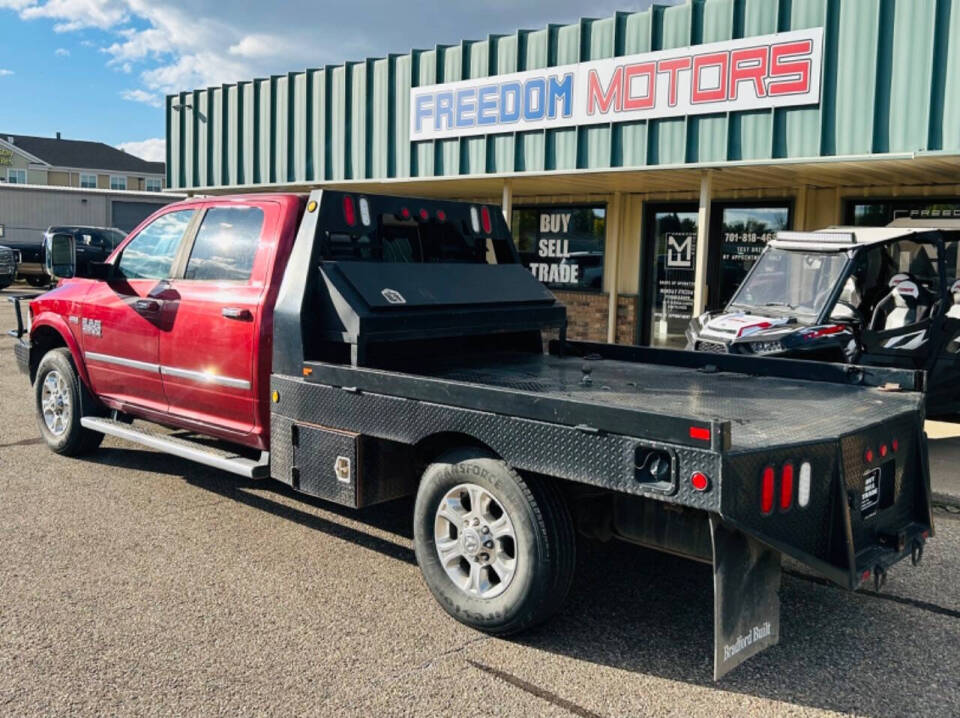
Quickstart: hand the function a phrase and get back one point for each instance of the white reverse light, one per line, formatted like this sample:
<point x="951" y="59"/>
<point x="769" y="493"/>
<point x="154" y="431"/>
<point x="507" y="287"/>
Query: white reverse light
<point x="803" y="485"/>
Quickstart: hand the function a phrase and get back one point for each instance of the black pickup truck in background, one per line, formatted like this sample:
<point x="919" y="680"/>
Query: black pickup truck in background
<point x="9" y="259"/>
<point x="93" y="244"/>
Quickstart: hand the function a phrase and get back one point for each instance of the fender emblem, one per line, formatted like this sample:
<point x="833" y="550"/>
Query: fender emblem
<point x="92" y="327"/>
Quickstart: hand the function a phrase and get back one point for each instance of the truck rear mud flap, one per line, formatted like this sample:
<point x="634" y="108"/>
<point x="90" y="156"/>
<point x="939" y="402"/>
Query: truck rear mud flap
<point x="746" y="598"/>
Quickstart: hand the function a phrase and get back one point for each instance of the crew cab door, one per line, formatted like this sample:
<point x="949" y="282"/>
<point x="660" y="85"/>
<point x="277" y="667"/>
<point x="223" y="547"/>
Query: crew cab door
<point x="122" y="318"/>
<point x="210" y="350"/>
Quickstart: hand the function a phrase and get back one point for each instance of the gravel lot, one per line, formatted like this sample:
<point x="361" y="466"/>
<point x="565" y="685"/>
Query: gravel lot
<point x="137" y="583"/>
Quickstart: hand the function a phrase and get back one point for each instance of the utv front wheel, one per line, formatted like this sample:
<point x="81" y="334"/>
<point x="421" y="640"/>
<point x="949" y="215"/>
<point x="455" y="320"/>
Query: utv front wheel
<point x="61" y="399"/>
<point x="497" y="550"/>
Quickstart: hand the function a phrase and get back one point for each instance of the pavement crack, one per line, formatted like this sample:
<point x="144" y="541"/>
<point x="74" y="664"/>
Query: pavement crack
<point x="914" y="602"/>
<point x="537" y="691"/>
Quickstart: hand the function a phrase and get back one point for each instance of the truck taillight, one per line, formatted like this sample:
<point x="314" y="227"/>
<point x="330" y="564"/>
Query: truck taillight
<point x="786" y="487"/>
<point x="349" y="210"/>
<point x="475" y="220"/>
<point x="485" y="218"/>
<point x="766" y="491"/>
<point x="803" y="484"/>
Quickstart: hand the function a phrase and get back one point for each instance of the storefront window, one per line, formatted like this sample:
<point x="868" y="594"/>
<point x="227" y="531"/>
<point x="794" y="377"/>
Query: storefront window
<point x="879" y="213"/>
<point x="743" y="234"/>
<point x="562" y="246"/>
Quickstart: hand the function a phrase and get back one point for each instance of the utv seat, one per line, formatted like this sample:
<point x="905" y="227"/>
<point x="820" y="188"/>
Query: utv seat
<point x="954" y="311"/>
<point x="907" y="303"/>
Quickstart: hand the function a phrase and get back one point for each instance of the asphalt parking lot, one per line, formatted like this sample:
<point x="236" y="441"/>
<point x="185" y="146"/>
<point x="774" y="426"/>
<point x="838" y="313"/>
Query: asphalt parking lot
<point x="137" y="583"/>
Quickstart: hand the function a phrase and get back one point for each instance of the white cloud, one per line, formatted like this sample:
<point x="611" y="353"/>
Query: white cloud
<point x="256" y="46"/>
<point x="62" y="52"/>
<point x="177" y="45"/>
<point x="5" y="73"/>
<point x="153" y="150"/>
<point x="149" y="98"/>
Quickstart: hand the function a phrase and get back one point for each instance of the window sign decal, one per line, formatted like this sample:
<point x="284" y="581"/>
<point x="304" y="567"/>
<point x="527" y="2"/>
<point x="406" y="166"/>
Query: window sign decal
<point x="562" y="246"/>
<point x="779" y="70"/>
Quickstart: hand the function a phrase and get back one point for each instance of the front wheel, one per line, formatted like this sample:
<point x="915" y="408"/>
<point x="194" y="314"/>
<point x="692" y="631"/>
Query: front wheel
<point x="60" y="400"/>
<point x="497" y="550"/>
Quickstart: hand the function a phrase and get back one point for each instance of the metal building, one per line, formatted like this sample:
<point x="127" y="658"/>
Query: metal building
<point x="643" y="208"/>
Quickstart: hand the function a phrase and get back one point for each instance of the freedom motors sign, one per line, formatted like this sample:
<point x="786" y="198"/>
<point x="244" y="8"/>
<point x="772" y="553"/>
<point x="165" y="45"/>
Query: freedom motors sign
<point x="780" y="70"/>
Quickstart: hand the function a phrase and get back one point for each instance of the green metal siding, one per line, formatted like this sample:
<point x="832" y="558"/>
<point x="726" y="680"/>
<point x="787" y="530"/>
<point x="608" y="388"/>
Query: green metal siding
<point x="891" y="84"/>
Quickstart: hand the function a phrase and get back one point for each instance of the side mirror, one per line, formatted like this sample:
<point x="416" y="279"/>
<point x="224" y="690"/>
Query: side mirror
<point x="100" y="270"/>
<point x="60" y="257"/>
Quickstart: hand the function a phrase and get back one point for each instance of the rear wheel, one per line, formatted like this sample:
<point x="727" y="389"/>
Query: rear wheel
<point x="496" y="549"/>
<point x="37" y="280"/>
<point x="61" y="399"/>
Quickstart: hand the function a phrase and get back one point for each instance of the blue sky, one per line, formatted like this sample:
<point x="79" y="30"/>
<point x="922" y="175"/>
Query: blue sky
<point x="98" y="69"/>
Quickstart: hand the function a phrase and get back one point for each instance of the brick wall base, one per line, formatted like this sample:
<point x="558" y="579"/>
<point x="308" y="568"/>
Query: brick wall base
<point x="587" y="316"/>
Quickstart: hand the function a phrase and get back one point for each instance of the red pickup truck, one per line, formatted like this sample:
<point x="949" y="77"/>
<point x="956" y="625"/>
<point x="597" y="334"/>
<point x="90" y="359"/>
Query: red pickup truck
<point x="363" y="348"/>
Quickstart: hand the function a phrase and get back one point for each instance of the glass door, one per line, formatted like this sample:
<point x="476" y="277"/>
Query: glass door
<point x="671" y="260"/>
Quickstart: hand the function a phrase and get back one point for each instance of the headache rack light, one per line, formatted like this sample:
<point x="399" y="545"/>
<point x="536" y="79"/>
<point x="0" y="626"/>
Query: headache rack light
<point x="817" y="237"/>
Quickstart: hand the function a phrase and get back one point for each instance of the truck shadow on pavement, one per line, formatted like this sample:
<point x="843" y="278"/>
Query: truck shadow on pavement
<point x="645" y="612"/>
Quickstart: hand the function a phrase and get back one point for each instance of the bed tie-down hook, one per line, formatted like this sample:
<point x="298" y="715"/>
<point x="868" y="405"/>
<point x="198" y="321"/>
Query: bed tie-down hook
<point x="879" y="578"/>
<point x="916" y="552"/>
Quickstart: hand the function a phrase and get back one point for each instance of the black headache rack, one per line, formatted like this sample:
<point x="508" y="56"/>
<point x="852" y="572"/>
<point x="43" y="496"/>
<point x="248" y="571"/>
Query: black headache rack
<point x="373" y="359"/>
<point x="371" y="277"/>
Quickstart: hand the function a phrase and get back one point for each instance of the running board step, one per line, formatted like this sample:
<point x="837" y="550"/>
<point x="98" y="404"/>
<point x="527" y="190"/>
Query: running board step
<point x="183" y="448"/>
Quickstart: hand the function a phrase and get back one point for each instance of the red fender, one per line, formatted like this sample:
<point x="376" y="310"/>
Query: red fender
<point x="57" y="323"/>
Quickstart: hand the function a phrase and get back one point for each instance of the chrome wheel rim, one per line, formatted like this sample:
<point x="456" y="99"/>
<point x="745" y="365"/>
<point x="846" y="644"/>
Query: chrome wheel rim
<point x="55" y="403"/>
<point x="476" y="542"/>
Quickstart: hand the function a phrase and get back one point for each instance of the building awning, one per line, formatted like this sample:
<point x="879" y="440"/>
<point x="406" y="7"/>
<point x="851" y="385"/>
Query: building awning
<point x="900" y="170"/>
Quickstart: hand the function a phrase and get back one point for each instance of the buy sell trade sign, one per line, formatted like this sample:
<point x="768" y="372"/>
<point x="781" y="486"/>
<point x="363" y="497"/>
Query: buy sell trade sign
<point x="780" y="70"/>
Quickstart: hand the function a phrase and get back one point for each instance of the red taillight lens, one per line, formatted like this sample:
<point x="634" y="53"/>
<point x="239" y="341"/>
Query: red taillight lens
<point x="485" y="220"/>
<point x="896" y="445"/>
<point x="869" y="456"/>
<point x="786" y="487"/>
<point x="766" y="493"/>
<point x="349" y="211"/>
<point x="405" y="213"/>
<point x="441" y="216"/>
<point x="700" y="433"/>
<point x="424" y="215"/>
<point x="699" y="481"/>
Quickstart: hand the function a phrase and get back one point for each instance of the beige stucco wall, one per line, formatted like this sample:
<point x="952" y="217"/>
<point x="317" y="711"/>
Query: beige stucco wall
<point x="60" y="179"/>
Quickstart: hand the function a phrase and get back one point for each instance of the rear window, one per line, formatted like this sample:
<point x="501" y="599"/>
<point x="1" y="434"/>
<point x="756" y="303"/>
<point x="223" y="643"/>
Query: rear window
<point x="394" y="236"/>
<point x="226" y="244"/>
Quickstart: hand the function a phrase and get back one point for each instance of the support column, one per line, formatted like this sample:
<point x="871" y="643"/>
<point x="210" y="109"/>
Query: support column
<point x="700" y="289"/>
<point x="506" y="204"/>
<point x="612" y="248"/>
<point x="800" y="209"/>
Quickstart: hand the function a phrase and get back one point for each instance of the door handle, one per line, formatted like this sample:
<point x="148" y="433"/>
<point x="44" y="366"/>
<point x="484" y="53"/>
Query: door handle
<point x="243" y="315"/>
<point x="146" y="305"/>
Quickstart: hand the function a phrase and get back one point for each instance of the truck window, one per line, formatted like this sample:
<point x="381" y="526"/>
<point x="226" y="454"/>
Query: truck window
<point x="415" y="242"/>
<point x="226" y="244"/>
<point x="150" y="254"/>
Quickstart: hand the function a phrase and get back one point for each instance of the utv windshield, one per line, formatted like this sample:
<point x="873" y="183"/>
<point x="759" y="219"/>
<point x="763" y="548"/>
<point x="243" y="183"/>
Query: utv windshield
<point x="798" y="283"/>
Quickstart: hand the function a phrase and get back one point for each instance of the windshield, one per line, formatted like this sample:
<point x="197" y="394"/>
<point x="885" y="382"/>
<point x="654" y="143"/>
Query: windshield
<point x="796" y="282"/>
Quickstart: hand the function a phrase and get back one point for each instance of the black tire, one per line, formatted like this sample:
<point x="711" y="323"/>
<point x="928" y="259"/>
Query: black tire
<point x="545" y="542"/>
<point x="73" y="440"/>
<point x="38" y="280"/>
